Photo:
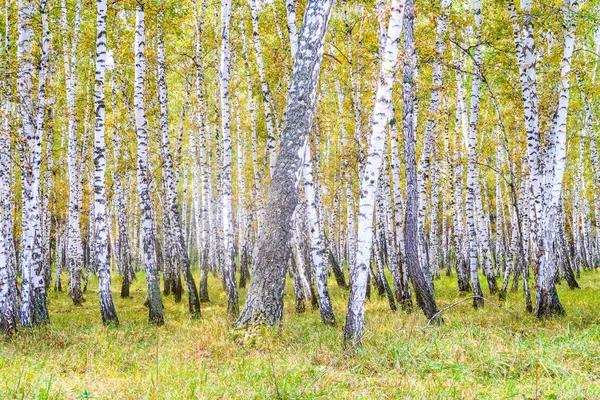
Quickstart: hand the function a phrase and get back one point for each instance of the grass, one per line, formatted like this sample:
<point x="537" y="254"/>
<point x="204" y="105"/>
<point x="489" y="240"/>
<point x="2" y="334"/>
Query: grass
<point x="483" y="354"/>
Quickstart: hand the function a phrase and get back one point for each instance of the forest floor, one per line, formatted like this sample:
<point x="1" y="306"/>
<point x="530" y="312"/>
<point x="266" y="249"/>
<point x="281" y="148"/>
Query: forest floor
<point x="475" y="354"/>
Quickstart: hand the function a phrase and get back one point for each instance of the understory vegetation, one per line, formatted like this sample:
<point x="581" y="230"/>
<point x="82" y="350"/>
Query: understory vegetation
<point x="481" y="354"/>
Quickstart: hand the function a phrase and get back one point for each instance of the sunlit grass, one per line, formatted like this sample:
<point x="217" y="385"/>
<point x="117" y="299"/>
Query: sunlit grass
<point x="474" y="354"/>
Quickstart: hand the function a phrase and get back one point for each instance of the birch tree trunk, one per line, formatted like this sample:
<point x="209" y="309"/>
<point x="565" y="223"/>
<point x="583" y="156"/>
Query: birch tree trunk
<point x="266" y="92"/>
<point x="318" y="250"/>
<point x="179" y="248"/>
<point x="107" y="307"/>
<point x="290" y="8"/>
<point x="226" y="197"/>
<point x="424" y="167"/>
<point x="123" y="244"/>
<point x="264" y="302"/>
<point x="423" y="291"/>
<point x="405" y="298"/>
<point x="472" y="176"/>
<point x="9" y="304"/>
<point x="75" y="245"/>
<point x="547" y="301"/>
<point x="34" y="309"/>
<point x="154" y="300"/>
<point x="368" y="183"/>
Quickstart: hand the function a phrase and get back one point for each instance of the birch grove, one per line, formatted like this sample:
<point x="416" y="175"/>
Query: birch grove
<point x="196" y="155"/>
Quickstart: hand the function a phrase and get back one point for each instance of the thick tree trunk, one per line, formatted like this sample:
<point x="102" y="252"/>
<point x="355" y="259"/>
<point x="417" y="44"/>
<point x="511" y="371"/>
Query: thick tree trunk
<point x="264" y="302"/>
<point x="9" y="305"/>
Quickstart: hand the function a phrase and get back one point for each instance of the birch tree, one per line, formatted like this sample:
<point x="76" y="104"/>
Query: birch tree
<point x="34" y="309"/>
<point x="75" y="245"/>
<point x="179" y="248"/>
<point x="227" y="209"/>
<point x="107" y="307"/>
<point x="153" y="300"/>
<point x="423" y="291"/>
<point x="368" y="184"/>
<point x="264" y="301"/>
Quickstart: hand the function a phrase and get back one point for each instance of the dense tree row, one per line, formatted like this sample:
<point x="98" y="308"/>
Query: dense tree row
<point x="381" y="144"/>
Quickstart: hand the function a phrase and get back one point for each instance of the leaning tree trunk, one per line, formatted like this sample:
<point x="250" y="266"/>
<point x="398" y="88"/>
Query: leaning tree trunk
<point x="355" y="317"/>
<point x="107" y="307"/>
<point x="264" y="302"/>
<point x="154" y="301"/>
<point x="423" y="291"/>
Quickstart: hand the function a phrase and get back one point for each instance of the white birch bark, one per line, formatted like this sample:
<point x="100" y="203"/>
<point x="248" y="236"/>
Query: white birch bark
<point x="75" y="245"/>
<point x="107" y="307"/>
<point x="264" y="302"/>
<point x="226" y="197"/>
<point x="290" y="8"/>
<point x="547" y="301"/>
<point x="154" y="300"/>
<point x="430" y="127"/>
<point x="9" y="305"/>
<point x="318" y="250"/>
<point x="33" y="309"/>
<point x="177" y="238"/>
<point x="368" y="183"/>
<point x="266" y="92"/>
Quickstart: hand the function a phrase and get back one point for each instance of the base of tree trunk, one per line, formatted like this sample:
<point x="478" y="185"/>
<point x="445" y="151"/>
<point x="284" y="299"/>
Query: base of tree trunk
<point x="125" y="287"/>
<point x="39" y="306"/>
<point x="353" y="330"/>
<point x="548" y="304"/>
<point x="204" y="286"/>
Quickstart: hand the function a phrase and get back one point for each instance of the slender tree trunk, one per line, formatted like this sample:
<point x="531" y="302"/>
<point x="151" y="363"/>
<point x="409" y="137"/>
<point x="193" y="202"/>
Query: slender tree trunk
<point x="203" y="209"/>
<point x="107" y="307"/>
<point x="318" y="250"/>
<point x="75" y="245"/>
<point x="368" y="185"/>
<point x="423" y="291"/>
<point x="123" y="244"/>
<point x="154" y="300"/>
<point x="266" y="92"/>
<point x="179" y="248"/>
<point x="226" y="197"/>
<point x="34" y="309"/>
<point x="547" y="301"/>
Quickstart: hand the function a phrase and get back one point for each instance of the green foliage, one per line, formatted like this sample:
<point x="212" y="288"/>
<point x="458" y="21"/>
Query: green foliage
<point x="474" y="354"/>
